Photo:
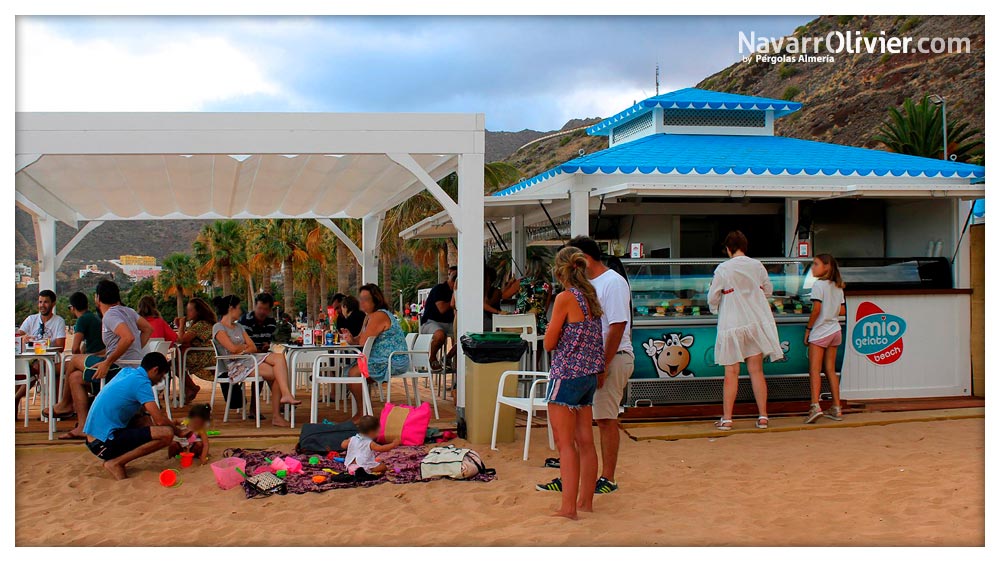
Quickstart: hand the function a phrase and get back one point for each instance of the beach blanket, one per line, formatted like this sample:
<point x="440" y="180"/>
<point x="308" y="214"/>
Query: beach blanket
<point x="403" y="463"/>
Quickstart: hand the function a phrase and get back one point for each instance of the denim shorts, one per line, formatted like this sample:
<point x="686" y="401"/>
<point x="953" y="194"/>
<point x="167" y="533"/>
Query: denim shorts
<point x="572" y="393"/>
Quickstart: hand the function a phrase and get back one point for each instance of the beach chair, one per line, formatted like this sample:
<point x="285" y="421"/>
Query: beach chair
<point x="182" y="394"/>
<point x="325" y="371"/>
<point x="420" y="368"/>
<point x="222" y="376"/>
<point x="530" y="404"/>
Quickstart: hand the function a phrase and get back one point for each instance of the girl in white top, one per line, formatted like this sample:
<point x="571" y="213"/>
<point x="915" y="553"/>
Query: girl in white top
<point x="746" y="329"/>
<point x="823" y="334"/>
<point x="362" y="447"/>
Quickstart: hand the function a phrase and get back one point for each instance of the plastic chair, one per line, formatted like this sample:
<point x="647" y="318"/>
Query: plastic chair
<point x="529" y="404"/>
<point x="181" y="396"/>
<point x="158" y="345"/>
<point x="22" y="368"/>
<point x="524" y="323"/>
<point x="420" y="368"/>
<point x="322" y="365"/>
<point x="222" y="376"/>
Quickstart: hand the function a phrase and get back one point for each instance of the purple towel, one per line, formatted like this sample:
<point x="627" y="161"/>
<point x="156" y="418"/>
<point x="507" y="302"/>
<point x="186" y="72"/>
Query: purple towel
<point x="403" y="463"/>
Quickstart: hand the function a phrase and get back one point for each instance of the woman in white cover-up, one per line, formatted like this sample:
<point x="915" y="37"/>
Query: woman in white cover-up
<point x="746" y="329"/>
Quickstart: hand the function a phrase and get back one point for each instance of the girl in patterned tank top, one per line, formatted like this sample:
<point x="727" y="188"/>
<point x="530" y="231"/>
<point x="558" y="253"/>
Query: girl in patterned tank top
<point x="574" y="337"/>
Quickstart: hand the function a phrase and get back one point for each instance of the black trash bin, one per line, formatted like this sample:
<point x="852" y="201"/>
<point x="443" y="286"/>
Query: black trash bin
<point x="487" y="356"/>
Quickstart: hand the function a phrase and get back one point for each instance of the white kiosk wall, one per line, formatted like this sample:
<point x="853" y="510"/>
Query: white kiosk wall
<point x="907" y="346"/>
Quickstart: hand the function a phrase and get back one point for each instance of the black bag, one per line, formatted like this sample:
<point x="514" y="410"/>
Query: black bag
<point x="321" y="438"/>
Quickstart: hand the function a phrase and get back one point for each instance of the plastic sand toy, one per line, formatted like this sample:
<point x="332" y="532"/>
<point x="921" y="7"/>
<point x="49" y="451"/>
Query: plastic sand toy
<point x="313" y="461"/>
<point x="170" y="478"/>
<point x="318" y="479"/>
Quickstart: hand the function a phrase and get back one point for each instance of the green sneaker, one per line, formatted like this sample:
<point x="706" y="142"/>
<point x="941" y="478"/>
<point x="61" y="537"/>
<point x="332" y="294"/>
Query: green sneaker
<point x="554" y="486"/>
<point x="605" y="486"/>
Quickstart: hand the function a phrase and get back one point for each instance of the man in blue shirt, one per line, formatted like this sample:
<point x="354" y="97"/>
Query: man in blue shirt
<point x="116" y="433"/>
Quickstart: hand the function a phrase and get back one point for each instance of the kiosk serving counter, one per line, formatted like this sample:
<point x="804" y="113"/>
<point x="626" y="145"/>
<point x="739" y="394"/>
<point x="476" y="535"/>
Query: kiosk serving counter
<point x="673" y="334"/>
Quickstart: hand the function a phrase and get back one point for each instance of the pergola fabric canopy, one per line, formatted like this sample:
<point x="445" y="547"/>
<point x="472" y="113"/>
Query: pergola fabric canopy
<point x="211" y="186"/>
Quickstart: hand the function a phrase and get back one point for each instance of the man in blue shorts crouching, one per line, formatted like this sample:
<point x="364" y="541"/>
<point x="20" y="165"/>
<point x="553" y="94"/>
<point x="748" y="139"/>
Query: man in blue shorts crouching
<point x="125" y="423"/>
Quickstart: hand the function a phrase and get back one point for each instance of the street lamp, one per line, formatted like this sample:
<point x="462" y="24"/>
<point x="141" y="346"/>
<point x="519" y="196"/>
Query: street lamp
<point x="938" y="100"/>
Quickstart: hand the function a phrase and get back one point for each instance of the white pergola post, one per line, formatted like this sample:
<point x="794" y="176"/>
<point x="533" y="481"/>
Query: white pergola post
<point x="371" y="230"/>
<point x="45" y="243"/>
<point x="469" y="222"/>
<point x="962" y="270"/>
<point x="518" y="244"/>
<point x="791" y="222"/>
<point x="579" y="211"/>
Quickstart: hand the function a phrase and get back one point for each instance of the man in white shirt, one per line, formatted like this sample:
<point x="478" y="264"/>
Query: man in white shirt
<point x="616" y="326"/>
<point x="44" y="325"/>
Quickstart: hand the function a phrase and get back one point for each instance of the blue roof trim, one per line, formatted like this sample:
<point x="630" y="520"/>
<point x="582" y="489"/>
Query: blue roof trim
<point x="751" y="155"/>
<point x="695" y="98"/>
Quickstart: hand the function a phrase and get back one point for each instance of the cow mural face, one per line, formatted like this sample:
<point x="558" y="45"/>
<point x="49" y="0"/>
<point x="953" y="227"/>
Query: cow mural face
<point x="670" y="355"/>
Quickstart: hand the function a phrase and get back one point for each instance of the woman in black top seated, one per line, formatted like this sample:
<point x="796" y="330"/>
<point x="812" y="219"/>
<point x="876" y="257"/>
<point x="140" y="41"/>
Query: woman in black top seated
<point x="351" y="318"/>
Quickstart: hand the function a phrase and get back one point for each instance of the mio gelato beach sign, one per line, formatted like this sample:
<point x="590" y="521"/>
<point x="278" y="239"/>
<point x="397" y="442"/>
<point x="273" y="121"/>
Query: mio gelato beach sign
<point x="878" y="335"/>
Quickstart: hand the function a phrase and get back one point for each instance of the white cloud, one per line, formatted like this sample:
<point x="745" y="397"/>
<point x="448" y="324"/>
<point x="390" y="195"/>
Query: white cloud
<point x="61" y="73"/>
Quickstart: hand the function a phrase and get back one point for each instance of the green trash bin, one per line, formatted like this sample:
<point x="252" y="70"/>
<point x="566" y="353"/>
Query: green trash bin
<point x="487" y="356"/>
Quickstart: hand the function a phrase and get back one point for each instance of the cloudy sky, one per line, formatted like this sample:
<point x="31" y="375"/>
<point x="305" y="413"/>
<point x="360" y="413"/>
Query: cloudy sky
<point x="522" y="72"/>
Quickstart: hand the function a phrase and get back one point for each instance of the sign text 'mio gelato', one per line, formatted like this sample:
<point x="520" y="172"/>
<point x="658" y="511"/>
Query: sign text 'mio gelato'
<point x="878" y="335"/>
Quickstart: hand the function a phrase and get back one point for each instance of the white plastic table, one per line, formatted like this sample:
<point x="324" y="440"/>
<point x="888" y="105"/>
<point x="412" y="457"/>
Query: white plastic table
<point x="49" y="359"/>
<point x="292" y="350"/>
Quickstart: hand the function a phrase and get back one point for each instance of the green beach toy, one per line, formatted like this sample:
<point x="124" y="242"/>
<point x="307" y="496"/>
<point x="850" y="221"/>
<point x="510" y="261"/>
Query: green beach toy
<point x="213" y="433"/>
<point x="313" y="461"/>
<point x="282" y="473"/>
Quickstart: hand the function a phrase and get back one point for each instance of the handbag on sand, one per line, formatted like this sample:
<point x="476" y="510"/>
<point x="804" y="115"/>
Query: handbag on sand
<point x="454" y="463"/>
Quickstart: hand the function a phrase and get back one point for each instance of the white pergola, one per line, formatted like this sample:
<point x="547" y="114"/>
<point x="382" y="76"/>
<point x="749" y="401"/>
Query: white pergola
<point x="86" y="168"/>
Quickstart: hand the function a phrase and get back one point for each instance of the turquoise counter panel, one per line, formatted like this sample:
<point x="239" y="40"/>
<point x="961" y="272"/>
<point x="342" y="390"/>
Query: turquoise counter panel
<point x="683" y="351"/>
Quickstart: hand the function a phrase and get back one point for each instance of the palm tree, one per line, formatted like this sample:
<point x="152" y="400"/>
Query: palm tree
<point x="319" y="247"/>
<point x="224" y="242"/>
<point x="178" y="278"/>
<point x="291" y="249"/>
<point x="917" y="131"/>
<point x="345" y="260"/>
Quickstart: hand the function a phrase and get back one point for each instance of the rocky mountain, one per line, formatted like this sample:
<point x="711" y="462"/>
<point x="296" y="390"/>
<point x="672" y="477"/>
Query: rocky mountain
<point x="845" y="101"/>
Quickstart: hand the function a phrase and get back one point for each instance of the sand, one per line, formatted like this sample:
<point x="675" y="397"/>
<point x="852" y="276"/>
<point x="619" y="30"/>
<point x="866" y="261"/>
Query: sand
<point x="905" y="484"/>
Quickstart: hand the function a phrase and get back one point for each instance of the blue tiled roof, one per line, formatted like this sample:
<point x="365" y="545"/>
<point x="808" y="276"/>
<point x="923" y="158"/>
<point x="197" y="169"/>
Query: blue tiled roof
<point x="749" y="155"/>
<point x="695" y="98"/>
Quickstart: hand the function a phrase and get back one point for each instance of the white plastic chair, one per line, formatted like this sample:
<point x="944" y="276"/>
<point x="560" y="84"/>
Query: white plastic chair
<point x="182" y="394"/>
<point x="410" y="338"/>
<point x="158" y="345"/>
<point x="529" y="404"/>
<point x="527" y="325"/>
<point x="420" y="368"/>
<point x="323" y="364"/>
<point x="22" y="368"/>
<point x="222" y="376"/>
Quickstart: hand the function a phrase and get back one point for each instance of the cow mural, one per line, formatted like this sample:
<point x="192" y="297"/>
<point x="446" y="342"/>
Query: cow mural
<point x="670" y="355"/>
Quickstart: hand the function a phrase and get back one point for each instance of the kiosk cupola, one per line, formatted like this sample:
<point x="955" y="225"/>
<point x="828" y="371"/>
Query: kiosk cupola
<point x="693" y="111"/>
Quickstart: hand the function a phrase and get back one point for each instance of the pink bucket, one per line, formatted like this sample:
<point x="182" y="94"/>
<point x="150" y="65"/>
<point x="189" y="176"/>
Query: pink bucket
<point x="293" y="465"/>
<point x="225" y="472"/>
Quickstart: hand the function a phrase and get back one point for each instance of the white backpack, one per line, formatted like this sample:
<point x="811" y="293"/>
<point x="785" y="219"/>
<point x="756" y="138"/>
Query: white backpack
<point x="452" y="462"/>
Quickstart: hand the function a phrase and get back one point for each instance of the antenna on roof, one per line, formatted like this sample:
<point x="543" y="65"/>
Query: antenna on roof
<point x="657" y="77"/>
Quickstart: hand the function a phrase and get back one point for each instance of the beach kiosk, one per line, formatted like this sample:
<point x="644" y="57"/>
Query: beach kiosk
<point x="684" y="168"/>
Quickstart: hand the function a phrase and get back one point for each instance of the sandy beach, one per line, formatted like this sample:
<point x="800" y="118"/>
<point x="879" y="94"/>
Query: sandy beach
<point x="904" y="484"/>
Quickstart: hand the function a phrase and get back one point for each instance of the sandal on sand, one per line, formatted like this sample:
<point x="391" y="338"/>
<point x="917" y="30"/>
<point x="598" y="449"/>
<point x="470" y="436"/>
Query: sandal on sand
<point x="761" y="422"/>
<point x="721" y="424"/>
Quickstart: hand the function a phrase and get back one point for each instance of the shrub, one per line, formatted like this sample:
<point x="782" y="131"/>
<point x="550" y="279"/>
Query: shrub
<point x="790" y="93"/>
<point x="787" y="71"/>
<point x="909" y="24"/>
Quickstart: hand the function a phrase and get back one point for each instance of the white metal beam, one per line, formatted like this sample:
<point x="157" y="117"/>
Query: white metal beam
<point x="371" y="230"/>
<point x="343" y="238"/>
<point x="407" y="161"/>
<point x="80" y="235"/>
<point x="22" y="161"/>
<point x="45" y="244"/>
<point x="579" y="212"/>
<point x="435" y="172"/>
<point x="26" y="189"/>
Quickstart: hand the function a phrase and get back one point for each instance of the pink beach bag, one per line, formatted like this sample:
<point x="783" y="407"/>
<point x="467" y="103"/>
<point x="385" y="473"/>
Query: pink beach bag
<point x="407" y="423"/>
